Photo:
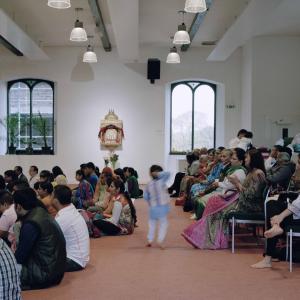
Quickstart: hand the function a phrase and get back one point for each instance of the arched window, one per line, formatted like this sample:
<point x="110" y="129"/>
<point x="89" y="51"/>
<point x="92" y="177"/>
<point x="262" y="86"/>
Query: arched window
<point x="192" y="116"/>
<point x="31" y="110"/>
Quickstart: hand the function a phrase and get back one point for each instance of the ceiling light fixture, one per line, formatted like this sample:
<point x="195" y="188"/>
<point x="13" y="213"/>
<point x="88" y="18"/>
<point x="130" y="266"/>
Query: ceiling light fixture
<point x="59" y="4"/>
<point x="89" y="56"/>
<point x="181" y="37"/>
<point x="195" y="6"/>
<point x="173" y="56"/>
<point x="78" y="33"/>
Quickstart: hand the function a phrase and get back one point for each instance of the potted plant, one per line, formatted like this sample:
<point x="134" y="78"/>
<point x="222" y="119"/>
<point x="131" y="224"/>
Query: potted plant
<point x="40" y="124"/>
<point x="12" y="124"/>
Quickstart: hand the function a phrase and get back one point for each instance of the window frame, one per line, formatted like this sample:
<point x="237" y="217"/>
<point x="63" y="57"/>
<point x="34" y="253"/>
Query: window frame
<point x="187" y="83"/>
<point x="27" y="82"/>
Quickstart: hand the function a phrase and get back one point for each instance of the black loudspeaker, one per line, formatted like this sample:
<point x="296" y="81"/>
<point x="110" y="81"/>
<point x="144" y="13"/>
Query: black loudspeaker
<point x="285" y="133"/>
<point x="153" y="70"/>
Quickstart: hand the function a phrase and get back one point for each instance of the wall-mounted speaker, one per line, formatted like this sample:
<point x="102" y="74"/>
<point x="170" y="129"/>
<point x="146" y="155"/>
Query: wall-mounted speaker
<point x="153" y="70"/>
<point x="285" y="133"/>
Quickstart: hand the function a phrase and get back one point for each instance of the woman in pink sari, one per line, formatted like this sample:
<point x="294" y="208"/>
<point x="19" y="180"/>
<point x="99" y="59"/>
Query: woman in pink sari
<point x="211" y="231"/>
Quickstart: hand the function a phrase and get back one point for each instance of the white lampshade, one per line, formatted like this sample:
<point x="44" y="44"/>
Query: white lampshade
<point x="89" y="56"/>
<point x="60" y="4"/>
<point x="195" y="6"/>
<point x="181" y="37"/>
<point x="173" y="57"/>
<point x="78" y="33"/>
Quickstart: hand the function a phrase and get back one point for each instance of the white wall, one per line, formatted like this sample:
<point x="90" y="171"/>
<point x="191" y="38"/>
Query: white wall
<point x="85" y="93"/>
<point x="275" y="87"/>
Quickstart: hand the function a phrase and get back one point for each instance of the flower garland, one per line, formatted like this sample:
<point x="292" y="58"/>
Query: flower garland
<point x="104" y="129"/>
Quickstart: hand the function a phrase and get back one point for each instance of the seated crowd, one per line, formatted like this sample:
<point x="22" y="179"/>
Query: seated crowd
<point x="221" y="182"/>
<point x="45" y="224"/>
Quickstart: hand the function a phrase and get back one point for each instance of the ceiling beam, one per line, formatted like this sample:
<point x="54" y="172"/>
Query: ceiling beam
<point x="17" y="40"/>
<point x="197" y="21"/>
<point x="94" y="5"/>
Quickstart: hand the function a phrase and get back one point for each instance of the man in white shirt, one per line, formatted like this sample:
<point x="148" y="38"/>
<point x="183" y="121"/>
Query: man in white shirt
<point x="34" y="177"/>
<point x="9" y="215"/>
<point x="74" y="229"/>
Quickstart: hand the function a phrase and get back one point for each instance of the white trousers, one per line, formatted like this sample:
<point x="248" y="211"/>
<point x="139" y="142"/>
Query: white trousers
<point x="162" y="229"/>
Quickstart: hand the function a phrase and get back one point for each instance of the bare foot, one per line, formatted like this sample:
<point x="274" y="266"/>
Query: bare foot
<point x="161" y="246"/>
<point x="263" y="264"/>
<point x="274" y="231"/>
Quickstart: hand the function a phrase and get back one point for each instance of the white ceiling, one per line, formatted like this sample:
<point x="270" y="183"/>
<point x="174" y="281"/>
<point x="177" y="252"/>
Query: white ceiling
<point x="157" y="20"/>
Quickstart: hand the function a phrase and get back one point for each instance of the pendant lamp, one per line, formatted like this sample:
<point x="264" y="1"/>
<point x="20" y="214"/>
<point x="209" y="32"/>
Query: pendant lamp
<point x="59" y="4"/>
<point x="89" y="56"/>
<point x="181" y="37"/>
<point x="78" y="33"/>
<point x="173" y="56"/>
<point x="195" y="6"/>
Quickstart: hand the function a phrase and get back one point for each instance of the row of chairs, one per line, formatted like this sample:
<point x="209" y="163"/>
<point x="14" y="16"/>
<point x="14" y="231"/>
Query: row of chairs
<point x="260" y="220"/>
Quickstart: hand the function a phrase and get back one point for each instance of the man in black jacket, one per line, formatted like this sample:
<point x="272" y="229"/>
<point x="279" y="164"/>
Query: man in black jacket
<point x="41" y="251"/>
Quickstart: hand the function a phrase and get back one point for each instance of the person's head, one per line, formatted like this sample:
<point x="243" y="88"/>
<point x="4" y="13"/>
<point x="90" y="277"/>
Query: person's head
<point x="6" y="200"/>
<point x="79" y="176"/>
<point x="2" y="183"/>
<point x="238" y="157"/>
<point x="221" y="148"/>
<point x="283" y="158"/>
<point x="254" y="160"/>
<point x="191" y="157"/>
<point x="90" y="168"/>
<point x="61" y="196"/>
<point x="107" y="171"/>
<point x="57" y="171"/>
<point x="288" y="150"/>
<point x="97" y="171"/>
<point x="203" y="151"/>
<point x="33" y="170"/>
<point x="154" y="170"/>
<point x="18" y="170"/>
<point x="46" y="175"/>
<point x="19" y="185"/>
<point x="249" y="135"/>
<point x="25" y="200"/>
<point x="226" y="156"/>
<point x="102" y="179"/>
<point x="44" y="189"/>
<point x="211" y="154"/>
<point x="116" y="187"/>
<point x="275" y="150"/>
<point x="119" y="172"/>
<point x="217" y="156"/>
<point x="10" y="176"/>
<point x="125" y="199"/>
<point x="131" y="172"/>
<point x="203" y="160"/>
<point x="242" y="133"/>
<point x="108" y="181"/>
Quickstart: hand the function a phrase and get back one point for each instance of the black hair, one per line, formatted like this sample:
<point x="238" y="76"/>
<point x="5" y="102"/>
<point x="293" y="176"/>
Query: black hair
<point x="82" y="166"/>
<point x="79" y="173"/>
<point x="109" y="179"/>
<point x="242" y="131"/>
<point x="26" y="198"/>
<point x="20" y="185"/>
<point x="221" y="148"/>
<point x="118" y="183"/>
<point x="132" y="208"/>
<point x="120" y="173"/>
<point x="191" y="157"/>
<point x="131" y="171"/>
<point x="249" y="135"/>
<point x="278" y="148"/>
<point x="6" y="198"/>
<point x="46" y="174"/>
<point x="240" y="153"/>
<point x="156" y="168"/>
<point x="97" y="171"/>
<point x="2" y="183"/>
<point x="36" y="185"/>
<point x="12" y="174"/>
<point x="90" y="165"/>
<point x="19" y="169"/>
<point x="63" y="194"/>
<point x="57" y="171"/>
<point x="35" y="168"/>
<point x="288" y="151"/>
<point x="125" y="169"/>
<point x="46" y="186"/>
<point x="256" y="160"/>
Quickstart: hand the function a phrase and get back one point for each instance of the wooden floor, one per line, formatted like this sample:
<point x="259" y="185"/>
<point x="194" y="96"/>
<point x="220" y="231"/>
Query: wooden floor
<point x="122" y="268"/>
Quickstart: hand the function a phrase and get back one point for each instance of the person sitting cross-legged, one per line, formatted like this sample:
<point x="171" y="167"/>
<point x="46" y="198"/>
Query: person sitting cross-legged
<point x="41" y="250"/>
<point x="74" y="229"/>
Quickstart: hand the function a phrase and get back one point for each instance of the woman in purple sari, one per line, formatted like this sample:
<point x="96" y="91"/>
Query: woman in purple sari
<point x="211" y="231"/>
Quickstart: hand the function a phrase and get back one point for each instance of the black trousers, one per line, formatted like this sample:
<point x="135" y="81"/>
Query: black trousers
<point x="275" y="208"/>
<point x="176" y="184"/>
